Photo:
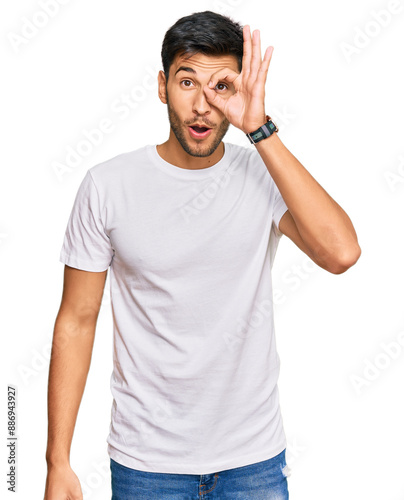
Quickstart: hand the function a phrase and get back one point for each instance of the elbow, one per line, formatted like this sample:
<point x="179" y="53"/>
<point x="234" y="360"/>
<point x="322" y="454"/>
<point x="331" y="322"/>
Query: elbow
<point x="344" y="260"/>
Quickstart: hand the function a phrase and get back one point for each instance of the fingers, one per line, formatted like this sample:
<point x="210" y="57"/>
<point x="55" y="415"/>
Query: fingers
<point x="246" y="52"/>
<point x="226" y="75"/>
<point x="253" y="68"/>
<point x="256" y="53"/>
<point x="214" y="98"/>
<point x="262" y="74"/>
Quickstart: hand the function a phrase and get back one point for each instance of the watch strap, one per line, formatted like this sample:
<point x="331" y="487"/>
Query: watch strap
<point x="263" y="132"/>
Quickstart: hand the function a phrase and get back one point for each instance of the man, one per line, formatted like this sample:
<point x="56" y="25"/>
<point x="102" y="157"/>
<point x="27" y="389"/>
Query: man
<point x="189" y="229"/>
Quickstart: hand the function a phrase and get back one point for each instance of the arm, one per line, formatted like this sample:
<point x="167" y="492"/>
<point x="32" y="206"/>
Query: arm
<point x="72" y="345"/>
<point x="314" y="221"/>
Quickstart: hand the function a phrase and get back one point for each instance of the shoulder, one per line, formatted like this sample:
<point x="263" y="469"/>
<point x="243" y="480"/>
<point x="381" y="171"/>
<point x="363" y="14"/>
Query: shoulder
<point x="245" y="154"/>
<point x="241" y="153"/>
<point x="119" y="166"/>
<point x="249" y="158"/>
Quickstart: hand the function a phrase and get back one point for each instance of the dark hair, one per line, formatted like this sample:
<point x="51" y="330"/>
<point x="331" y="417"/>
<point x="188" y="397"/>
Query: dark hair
<point x="206" y="32"/>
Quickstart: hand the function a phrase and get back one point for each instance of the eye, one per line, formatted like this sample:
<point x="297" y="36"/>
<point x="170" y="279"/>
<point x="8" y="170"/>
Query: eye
<point x="222" y="87"/>
<point x="186" y="83"/>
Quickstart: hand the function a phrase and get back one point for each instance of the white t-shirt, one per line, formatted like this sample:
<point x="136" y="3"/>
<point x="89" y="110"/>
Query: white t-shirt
<point x="195" y="374"/>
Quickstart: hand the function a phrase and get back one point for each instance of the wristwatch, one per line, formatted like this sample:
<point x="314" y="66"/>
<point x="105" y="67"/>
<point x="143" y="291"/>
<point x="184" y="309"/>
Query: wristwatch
<point x="263" y="132"/>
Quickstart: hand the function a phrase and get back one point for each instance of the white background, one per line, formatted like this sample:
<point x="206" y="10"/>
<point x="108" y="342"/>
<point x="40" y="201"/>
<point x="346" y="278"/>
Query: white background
<point x="340" y="115"/>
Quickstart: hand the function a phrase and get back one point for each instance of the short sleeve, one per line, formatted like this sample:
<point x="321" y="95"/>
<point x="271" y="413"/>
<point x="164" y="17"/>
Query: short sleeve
<point x="279" y="208"/>
<point x="86" y="245"/>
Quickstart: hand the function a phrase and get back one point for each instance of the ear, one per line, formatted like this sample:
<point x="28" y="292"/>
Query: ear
<point x="162" y="87"/>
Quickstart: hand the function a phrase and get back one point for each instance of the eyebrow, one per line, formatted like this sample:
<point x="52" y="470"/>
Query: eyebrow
<point x="185" y="68"/>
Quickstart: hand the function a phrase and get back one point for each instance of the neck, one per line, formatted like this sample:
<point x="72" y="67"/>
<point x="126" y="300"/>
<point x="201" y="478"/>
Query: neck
<point x="172" y="152"/>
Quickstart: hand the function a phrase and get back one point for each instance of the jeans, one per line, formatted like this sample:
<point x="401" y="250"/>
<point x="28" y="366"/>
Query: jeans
<point x="265" y="480"/>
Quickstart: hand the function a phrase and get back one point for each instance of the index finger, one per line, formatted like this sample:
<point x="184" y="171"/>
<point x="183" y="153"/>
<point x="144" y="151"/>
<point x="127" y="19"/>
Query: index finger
<point x="225" y="74"/>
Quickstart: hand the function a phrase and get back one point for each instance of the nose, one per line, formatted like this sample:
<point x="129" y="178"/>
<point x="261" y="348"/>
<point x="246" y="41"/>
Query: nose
<point x="200" y="104"/>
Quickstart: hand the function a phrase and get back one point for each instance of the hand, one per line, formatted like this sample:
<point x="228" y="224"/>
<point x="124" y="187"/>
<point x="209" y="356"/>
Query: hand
<point x="245" y="109"/>
<point x="62" y="484"/>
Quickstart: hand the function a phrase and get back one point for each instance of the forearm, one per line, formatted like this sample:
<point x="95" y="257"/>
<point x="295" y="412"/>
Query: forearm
<point x="322" y="224"/>
<point x="70" y="362"/>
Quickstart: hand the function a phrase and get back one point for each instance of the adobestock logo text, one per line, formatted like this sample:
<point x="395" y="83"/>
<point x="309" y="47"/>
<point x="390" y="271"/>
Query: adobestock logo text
<point x="122" y="107"/>
<point x="363" y="36"/>
<point x="39" y="20"/>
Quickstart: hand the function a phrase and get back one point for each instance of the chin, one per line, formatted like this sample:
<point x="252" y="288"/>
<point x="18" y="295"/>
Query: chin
<point x="200" y="151"/>
<point x="203" y="148"/>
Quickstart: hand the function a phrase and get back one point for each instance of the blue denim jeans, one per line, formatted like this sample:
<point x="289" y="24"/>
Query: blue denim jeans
<point x="265" y="480"/>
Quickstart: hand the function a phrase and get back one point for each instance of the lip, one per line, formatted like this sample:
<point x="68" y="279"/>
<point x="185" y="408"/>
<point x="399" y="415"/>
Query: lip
<point x="197" y="135"/>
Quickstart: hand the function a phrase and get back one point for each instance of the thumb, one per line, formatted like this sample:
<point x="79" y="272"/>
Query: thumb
<point x="213" y="98"/>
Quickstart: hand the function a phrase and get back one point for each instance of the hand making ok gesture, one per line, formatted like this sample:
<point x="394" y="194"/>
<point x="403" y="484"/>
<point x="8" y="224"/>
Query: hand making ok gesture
<point x="245" y="109"/>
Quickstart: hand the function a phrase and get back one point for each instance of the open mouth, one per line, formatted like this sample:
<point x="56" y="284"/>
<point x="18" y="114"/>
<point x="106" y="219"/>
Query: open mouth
<point x="199" y="132"/>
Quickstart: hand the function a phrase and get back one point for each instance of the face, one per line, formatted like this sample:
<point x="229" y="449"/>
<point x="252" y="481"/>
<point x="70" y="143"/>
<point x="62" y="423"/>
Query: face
<point x="198" y="126"/>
